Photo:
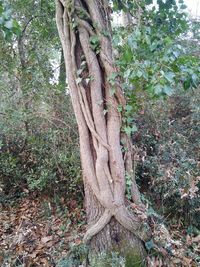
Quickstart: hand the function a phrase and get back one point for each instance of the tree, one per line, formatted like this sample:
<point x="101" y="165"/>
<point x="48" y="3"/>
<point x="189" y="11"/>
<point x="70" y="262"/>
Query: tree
<point x="98" y="101"/>
<point x="33" y="104"/>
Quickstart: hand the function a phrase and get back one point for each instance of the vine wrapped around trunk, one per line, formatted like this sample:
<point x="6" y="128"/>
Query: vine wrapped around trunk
<point x="84" y="30"/>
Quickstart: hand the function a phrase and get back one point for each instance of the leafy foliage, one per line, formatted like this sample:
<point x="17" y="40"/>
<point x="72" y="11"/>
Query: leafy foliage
<point x="45" y="156"/>
<point x="168" y="169"/>
<point x="8" y="25"/>
<point x="38" y="139"/>
<point x="153" y="51"/>
<point x="158" y="60"/>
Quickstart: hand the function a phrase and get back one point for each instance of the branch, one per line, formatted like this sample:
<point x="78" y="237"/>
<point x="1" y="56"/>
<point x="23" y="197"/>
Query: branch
<point x="59" y="20"/>
<point x="21" y="44"/>
<point x="91" y="127"/>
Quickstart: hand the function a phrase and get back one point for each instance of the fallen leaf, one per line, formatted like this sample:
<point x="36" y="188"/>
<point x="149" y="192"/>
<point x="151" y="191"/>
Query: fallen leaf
<point x="196" y="239"/>
<point x="46" y="239"/>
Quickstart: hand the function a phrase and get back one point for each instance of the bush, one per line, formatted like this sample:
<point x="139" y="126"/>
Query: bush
<point x="39" y="151"/>
<point x="167" y="144"/>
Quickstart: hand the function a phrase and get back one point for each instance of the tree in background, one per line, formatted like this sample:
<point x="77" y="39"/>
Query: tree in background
<point x="34" y="106"/>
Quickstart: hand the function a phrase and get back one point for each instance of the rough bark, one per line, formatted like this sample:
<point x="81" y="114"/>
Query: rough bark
<point x="89" y="66"/>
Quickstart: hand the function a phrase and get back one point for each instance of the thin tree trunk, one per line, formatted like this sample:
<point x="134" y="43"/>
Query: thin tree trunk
<point x="85" y="33"/>
<point x="62" y="73"/>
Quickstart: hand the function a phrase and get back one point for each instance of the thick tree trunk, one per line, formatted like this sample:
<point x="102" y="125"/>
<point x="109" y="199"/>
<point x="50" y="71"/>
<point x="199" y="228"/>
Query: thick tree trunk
<point x="113" y="237"/>
<point x="84" y="29"/>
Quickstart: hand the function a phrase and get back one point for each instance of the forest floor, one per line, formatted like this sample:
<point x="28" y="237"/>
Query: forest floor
<point x="34" y="231"/>
<point x="38" y="231"/>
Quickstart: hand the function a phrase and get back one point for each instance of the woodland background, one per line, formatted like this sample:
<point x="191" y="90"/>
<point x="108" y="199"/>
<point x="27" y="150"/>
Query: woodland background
<point x="42" y="218"/>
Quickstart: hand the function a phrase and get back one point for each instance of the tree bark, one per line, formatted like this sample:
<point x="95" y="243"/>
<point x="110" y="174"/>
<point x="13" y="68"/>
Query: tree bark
<point x="85" y="33"/>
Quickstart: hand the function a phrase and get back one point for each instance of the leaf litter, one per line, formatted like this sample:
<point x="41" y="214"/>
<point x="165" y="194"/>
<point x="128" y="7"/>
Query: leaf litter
<point x="34" y="231"/>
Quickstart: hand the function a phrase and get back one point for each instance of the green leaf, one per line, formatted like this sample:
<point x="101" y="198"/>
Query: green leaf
<point x="168" y="90"/>
<point x="120" y="108"/>
<point x="134" y="129"/>
<point x="169" y="76"/>
<point x="129" y="182"/>
<point x="187" y="84"/>
<point x="79" y="72"/>
<point x="139" y="73"/>
<point x="105" y="33"/>
<point x="94" y="39"/>
<point x="149" y="2"/>
<point x="112" y="78"/>
<point x="1" y="20"/>
<point x="128" y="108"/>
<point x="158" y="89"/>
<point x="78" y="80"/>
<point x="183" y="6"/>
<point x="149" y="245"/>
<point x="112" y="91"/>
<point x="127" y="55"/>
<point x="128" y="130"/>
<point x="9" y="24"/>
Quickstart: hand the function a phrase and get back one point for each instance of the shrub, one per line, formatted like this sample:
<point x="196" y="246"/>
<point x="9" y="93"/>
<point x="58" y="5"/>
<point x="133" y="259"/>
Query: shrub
<point x="167" y="144"/>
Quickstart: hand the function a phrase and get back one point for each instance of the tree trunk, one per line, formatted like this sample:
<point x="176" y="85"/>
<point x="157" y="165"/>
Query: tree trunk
<point x="85" y="33"/>
<point x="62" y="73"/>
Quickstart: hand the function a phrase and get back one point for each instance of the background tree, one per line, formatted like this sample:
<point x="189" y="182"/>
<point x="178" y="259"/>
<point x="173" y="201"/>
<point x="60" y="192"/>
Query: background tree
<point x="33" y="105"/>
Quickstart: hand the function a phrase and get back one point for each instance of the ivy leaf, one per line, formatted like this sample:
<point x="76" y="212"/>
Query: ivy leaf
<point x="120" y="108"/>
<point x="78" y="80"/>
<point x="128" y="108"/>
<point x="169" y="76"/>
<point x="79" y="71"/>
<point x="168" y="90"/>
<point x="9" y="24"/>
<point x="112" y="78"/>
<point x="183" y="6"/>
<point x="139" y="73"/>
<point x="94" y="39"/>
<point x="16" y="28"/>
<point x="187" y="84"/>
<point x="134" y="129"/>
<point x="105" y="33"/>
<point x="158" y="89"/>
<point x="149" y="245"/>
<point x="128" y="130"/>
<point x="112" y="91"/>
<point x="149" y="2"/>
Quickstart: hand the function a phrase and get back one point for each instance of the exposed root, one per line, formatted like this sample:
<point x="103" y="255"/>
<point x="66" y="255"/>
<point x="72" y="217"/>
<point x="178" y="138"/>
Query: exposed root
<point x="98" y="226"/>
<point x="132" y="223"/>
<point x="125" y="218"/>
